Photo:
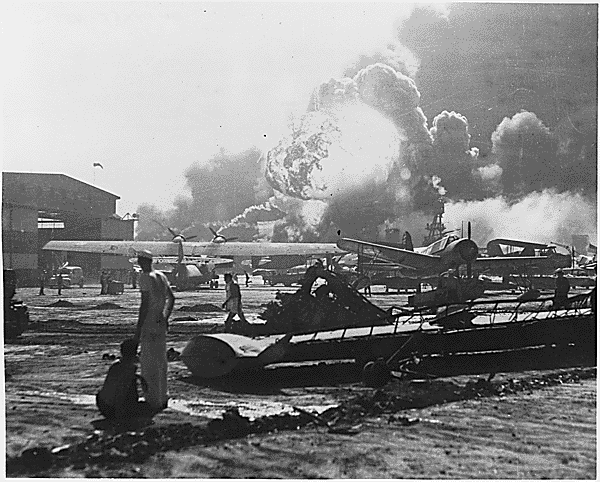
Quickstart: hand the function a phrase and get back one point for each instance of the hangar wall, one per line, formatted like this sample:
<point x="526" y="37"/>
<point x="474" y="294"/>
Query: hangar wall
<point x="80" y="211"/>
<point x="19" y="239"/>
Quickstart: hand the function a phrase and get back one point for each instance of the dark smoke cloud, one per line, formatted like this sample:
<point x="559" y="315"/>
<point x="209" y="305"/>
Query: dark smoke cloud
<point x="453" y="159"/>
<point x="224" y="185"/>
<point x="359" y="149"/>
<point x="147" y="228"/>
<point x="526" y="151"/>
<point x="490" y="61"/>
<point x="220" y="188"/>
<point x="511" y="94"/>
<point x="577" y="140"/>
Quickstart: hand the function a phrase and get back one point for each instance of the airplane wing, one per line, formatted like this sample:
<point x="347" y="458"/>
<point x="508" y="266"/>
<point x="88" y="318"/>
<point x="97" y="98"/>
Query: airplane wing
<point x="494" y="247"/>
<point x="398" y="256"/>
<point x="168" y="248"/>
<point x="217" y="262"/>
<point x="552" y="262"/>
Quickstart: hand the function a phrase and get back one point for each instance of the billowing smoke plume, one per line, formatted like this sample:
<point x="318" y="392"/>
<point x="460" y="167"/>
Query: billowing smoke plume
<point x="358" y="150"/>
<point x="225" y="185"/>
<point x="220" y="189"/>
<point x="453" y="159"/>
<point x="543" y="217"/>
<point x="525" y="150"/>
<point x="362" y="159"/>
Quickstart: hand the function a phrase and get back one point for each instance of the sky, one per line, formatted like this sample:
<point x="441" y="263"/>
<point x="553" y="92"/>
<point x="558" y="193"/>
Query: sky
<point x="148" y="88"/>
<point x="494" y="104"/>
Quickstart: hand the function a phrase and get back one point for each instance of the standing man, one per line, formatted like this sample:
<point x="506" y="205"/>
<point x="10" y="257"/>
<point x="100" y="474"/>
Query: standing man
<point x="151" y="331"/>
<point x="134" y="278"/>
<point x="42" y="281"/>
<point x="233" y="301"/>
<point x="562" y="290"/>
<point x="59" y="282"/>
<point x="103" y="290"/>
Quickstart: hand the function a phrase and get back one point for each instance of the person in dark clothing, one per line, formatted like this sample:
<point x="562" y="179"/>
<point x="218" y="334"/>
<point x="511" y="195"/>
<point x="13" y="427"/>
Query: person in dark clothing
<point x="103" y="283"/>
<point x="134" y="278"/>
<point x="562" y="291"/>
<point x="118" y="399"/>
<point x="233" y="302"/>
<point x="59" y="283"/>
<point x="42" y="281"/>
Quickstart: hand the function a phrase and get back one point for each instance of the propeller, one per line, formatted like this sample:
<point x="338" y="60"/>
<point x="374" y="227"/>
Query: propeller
<point x="217" y="236"/>
<point x="174" y="233"/>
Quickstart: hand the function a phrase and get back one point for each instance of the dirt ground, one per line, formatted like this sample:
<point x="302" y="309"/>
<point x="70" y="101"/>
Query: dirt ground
<point x="544" y="429"/>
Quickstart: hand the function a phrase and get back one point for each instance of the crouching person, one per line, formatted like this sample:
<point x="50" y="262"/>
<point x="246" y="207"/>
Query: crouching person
<point x="118" y="399"/>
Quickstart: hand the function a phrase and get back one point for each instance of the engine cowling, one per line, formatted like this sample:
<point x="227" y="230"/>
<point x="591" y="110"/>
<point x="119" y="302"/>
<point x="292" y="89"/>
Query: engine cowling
<point x="459" y="252"/>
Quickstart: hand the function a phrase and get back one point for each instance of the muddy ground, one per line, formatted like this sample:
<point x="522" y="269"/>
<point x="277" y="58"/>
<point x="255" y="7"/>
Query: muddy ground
<point x="534" y="424"/>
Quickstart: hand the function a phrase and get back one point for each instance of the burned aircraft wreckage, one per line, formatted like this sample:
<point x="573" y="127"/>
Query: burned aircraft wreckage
<point x="329" y="320"/>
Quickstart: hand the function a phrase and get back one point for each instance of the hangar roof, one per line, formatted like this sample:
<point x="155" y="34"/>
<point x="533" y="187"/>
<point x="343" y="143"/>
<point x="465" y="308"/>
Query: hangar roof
<point x="54" y="180"/>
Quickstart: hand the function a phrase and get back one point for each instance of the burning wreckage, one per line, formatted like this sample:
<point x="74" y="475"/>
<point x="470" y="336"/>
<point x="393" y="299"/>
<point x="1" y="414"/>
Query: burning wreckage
<point x="335" y="322"/>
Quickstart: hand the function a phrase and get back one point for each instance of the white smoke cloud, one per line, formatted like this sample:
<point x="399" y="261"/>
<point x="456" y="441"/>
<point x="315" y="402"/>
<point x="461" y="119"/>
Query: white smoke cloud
<point x="490" y="172"/>
<point x="539" y="217"/>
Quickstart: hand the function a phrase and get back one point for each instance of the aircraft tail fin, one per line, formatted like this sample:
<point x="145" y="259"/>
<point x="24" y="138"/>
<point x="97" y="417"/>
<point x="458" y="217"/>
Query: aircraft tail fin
<point x="407" y="241"/>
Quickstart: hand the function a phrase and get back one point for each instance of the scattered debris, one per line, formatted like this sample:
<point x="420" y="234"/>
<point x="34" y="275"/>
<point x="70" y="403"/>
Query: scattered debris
<point x="404" y="421"/>
<point x="137" y="445"/>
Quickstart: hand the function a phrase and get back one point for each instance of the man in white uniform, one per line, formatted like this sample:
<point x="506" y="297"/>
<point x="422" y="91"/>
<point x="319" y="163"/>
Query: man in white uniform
<point x="151" y="331"/>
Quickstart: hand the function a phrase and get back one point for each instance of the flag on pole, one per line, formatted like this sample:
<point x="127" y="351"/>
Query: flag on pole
<point x="97" y="164"/>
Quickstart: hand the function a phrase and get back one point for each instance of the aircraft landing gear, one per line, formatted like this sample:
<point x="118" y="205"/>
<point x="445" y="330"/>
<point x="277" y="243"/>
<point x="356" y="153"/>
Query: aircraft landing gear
<point x="213" y="284"/>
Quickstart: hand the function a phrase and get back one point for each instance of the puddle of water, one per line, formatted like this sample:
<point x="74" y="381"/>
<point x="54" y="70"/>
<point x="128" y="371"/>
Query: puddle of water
<point x="251" y="409"/>
<point x="212" y="320"/>
<point x="16" y="352"/>
<point x="201" y="408"/>
<point x="76" y="399"/>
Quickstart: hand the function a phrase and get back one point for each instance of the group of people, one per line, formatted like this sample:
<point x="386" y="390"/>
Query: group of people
<point x="105" y="280"/>
<point x="118" y="398"/>
<point x="119" y="395"/>
<point x="43" y="280"/>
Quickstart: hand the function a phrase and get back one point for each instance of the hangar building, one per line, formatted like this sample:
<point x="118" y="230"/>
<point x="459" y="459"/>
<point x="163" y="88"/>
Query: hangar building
<point x="39" y="207"/>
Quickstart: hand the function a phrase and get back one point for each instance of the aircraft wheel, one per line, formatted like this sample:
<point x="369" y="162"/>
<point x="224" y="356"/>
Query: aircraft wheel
<point x="376" y="374"/>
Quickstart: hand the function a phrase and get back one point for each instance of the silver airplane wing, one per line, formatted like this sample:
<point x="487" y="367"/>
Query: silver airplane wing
<point x="398" y="256"/>
<point x="168" y="248"/>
